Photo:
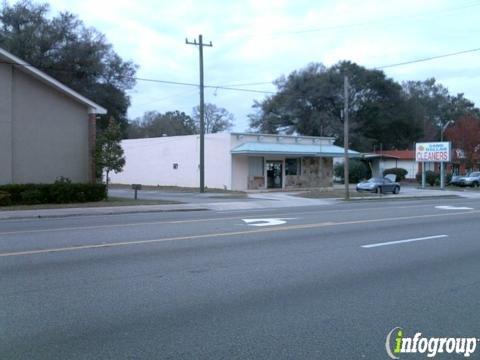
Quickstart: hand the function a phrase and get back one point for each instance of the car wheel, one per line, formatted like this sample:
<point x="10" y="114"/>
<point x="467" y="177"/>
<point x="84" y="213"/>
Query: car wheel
<point x="396" y="190"/>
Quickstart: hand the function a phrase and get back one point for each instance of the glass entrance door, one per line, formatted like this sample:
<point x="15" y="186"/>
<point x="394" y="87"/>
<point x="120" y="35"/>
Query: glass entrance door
<point x="274" y="174"/>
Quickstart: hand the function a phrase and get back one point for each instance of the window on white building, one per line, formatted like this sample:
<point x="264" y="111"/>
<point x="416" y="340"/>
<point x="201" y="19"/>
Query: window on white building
<point x="292" y="167"/>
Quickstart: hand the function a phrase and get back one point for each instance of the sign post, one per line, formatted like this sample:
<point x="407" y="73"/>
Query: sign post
<point x="136" y="187"/>
<point x="423" y="175"/>
<point x="433" y="152"/>
<point x="442" y="176"/>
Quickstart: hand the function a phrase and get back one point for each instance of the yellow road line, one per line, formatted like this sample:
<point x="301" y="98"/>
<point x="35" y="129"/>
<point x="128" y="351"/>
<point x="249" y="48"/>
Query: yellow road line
<point x="97" y="227"/>
<point x="226" y="234"/>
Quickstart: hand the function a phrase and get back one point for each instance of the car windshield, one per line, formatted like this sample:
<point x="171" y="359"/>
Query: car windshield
<point x="374" y="180"/>
<point x="474" y="174"/>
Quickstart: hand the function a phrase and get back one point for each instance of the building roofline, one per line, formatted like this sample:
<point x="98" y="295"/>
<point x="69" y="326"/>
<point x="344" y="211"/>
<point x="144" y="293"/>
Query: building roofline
<point x="255" y="148"/>
<point x="376" y="156"/>
<point x="18" y="63"/>
<point x="399" y="154"/>
<point x="285" y="136"/>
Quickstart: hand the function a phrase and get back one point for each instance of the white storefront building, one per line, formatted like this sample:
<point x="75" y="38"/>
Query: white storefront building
<point x="233" y="161"/>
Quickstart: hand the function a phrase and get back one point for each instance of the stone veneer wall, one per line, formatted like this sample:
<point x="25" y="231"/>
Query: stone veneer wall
<point x="315" y="172"/>
<point x="256" y="182"/>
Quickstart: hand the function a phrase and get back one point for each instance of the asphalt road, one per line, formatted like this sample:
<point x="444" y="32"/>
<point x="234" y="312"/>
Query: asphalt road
<point x="209" y="285"/>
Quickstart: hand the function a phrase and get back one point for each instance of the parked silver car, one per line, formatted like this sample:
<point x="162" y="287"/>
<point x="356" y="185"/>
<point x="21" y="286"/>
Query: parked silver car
<point x="456" y="180"/>
<point x="472" y="179"/>
<point x="379" y="185"/>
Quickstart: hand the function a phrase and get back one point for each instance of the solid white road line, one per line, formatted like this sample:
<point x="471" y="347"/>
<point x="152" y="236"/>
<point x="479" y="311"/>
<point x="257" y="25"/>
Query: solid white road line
<point x="403" y="241"/>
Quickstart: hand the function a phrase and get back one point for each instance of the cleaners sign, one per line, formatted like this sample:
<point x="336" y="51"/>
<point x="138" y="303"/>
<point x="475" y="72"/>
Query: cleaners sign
<point x="433" y="152"/>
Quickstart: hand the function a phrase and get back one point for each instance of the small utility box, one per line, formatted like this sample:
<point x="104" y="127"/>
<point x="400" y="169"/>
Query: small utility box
<point x="136" y="187"/>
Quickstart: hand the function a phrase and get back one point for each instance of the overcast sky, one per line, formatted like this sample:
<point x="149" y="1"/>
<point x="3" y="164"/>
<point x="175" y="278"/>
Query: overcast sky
<point x="257" y="41"/>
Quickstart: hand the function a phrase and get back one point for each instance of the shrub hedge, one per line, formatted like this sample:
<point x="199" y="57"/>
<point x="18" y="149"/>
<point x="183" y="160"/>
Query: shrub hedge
<point x="60" y="192"/>
<point x="400" y="172"/>
<point x="431" y="178"/>
<point x="358" y="171"/>
<point x="5" y="198"/>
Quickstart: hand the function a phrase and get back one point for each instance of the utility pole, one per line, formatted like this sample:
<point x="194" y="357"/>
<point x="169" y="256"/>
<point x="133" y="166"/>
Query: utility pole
<point x="442" y="164"/>
<point x="200" y="45"/>
<point x="345" y="139"/>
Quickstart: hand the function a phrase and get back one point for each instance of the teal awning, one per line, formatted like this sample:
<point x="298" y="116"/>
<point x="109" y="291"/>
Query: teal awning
<point x="261" y="148"/>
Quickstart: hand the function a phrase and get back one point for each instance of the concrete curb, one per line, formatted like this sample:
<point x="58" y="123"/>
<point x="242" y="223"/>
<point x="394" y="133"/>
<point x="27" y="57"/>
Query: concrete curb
<point x="13" y="215"/>
<point x="407" y="197"/>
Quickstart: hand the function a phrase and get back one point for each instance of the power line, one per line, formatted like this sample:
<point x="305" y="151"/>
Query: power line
<point x="178" y="95"/>
<point x="232" y="87"/>
<point x="367" y="23"/>
<point x="206" y="86"/>
<point x="239" y="89"/>
<point x="165" y="81"/>
<point x="190" y="93"/>
<point x="251" y="84"/>
<point x="427" y="59"/>
<point x="270" y="92"/>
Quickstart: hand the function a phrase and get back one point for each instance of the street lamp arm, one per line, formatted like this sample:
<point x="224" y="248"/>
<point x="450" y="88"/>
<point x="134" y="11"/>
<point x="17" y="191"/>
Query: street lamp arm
<point x="447" y="124"/>
<point x="442" y="165"/>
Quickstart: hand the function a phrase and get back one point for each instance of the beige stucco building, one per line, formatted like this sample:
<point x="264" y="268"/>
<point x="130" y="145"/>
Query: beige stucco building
<point x="237" y="161"/>
<point x="47" y="130"/>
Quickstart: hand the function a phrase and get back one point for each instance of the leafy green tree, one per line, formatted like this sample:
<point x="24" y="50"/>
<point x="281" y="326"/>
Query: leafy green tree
<point x="78" y="56"/>
<point x="217" y="119"/>
<point x="433" y="106"/>
<point x="109" y="153"/>
<point x="309" y="102"/>
<point x="154" y="124"/>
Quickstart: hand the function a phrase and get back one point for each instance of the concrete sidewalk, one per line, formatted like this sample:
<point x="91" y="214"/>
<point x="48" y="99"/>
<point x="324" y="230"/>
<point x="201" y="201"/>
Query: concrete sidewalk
<point x="89" y="211"/>
<point x="255" y="200"/>
<point x="259" y="201"/>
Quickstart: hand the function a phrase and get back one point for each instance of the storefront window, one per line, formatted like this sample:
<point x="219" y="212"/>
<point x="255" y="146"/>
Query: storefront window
<point x="292" y="166"/>
<point x="255" y="166"/>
